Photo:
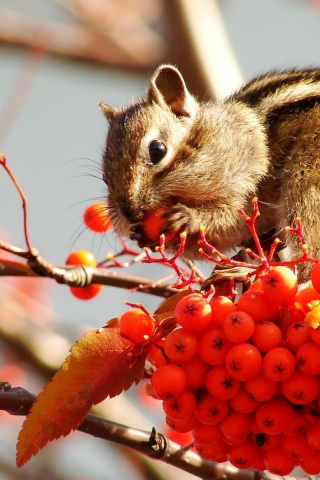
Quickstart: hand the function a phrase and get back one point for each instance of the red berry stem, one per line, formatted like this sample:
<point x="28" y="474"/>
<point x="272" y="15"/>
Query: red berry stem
<point x="223" y="260"/>
<point x="251" y="221"/>
<point x="298" y="231"/>
<point x="141" y="307"/>
<point x="151" y="285"/>
<point x="182" y="281"/>
<point x="272" y="250"/>
<point x="265" y="262"/>
<point x="252" y="254"/>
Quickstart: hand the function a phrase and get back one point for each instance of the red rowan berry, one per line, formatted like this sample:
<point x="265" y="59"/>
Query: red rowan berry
<point x="315" y="277"/>
<point x="308" y="358"/>
<point x="235" y="425"/>
<point x="193" y="312"/>
<point x="298" y="424"/>
<point x="206" y="433"/>
<point x="279" y="284"/>
<point x="261" y="388"/>
<point x="254" y="427"/>
<point x="156" y="354"/>
<point x="266" y="336"/>
<point x="259" y="465"/>
<point x="274" y="416"/>
<point x="313" y="436"/>
<point x="222" y="458"/>
<point x="257" y="305"/>
<point x="278" y="462"/>
<point x="256" y="285"/>
<point x="311" y="412"/>
<point x="183" y="426"/>
<point x="136" y="325"/>
<point x="84" y="257"/>
<point x="300" y="388"/>
<point x="244" y="455"/>
<point x="307" y="294"/>
<point x="211" y="410"/>
<point x="183" y="439"/>
<point x="96" y="217"/>
<point x="210" y="451"/>
<point x="86" y="293"/>
<point x="233" y="440"/>
<point x="243" y="402"/>
<point x="152" y="224"/>
<point x="296" y="335"/>
<point x="278" y="364"/>
<point x="315" y="335"/>
<point x="243" y="361"/>
<point x="220" y="307"/>
<point x="238" y="327"/>
<point x="311" y="465"/>
<point x="296" y="447"/>
<point x="296" y="312"/>
<point x="168" y="381"/>
<point x="81" y="257"/>
<point x="196" y="370"/>
<point x="220" y="383"/>
<point x="213" y="347"/>
<point x="180" y="345"/>
<point x="181" y="406"/>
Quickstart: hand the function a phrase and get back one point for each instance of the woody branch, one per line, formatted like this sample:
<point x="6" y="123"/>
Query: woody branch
<point x="18" y="401"/>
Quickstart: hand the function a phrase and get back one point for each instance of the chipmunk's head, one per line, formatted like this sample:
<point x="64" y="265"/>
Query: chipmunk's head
<point x="142" y="142"/>
<point x="168" y="151"/>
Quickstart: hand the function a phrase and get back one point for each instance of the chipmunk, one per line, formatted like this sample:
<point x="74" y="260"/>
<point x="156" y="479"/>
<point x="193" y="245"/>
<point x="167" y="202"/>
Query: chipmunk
<point x="204" y="161"/>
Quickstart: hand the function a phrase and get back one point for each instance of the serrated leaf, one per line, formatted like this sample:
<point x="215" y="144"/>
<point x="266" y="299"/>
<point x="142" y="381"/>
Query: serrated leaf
<point x="99" y="366"/>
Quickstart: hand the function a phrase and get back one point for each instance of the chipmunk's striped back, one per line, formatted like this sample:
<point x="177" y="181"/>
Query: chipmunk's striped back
<point x="281" y="93"/>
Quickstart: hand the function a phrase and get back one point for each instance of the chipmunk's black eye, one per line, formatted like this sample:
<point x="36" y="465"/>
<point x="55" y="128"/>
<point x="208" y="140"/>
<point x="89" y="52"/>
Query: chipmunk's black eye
<point x="104" y="178"/>
<point x="157" y="151"/>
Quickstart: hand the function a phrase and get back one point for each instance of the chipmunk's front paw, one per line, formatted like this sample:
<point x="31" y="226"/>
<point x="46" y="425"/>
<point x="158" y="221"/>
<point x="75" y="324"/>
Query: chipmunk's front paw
<point x="176" y="219"/>
<point x="223" y="273"/>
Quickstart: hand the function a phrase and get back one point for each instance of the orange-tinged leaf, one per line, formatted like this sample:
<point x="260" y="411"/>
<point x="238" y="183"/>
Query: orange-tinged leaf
<point x="99" y="366"/>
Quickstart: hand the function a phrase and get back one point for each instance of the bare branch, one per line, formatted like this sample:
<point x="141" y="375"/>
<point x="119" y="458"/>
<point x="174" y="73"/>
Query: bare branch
<point x="18" y="401"/>
<point x="79" y="41"/>
<point x="83" y="276"/>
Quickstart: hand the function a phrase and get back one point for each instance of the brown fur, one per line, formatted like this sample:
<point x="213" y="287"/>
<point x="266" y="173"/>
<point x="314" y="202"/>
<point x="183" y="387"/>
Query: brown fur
<point x="262" y="141"/>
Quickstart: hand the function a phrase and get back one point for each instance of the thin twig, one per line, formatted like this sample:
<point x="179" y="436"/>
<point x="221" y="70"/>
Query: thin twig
<point x="3" y="162"/>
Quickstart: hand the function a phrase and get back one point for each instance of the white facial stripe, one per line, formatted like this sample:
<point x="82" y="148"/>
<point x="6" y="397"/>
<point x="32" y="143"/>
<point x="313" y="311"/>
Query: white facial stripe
<point x="145" y="143"/>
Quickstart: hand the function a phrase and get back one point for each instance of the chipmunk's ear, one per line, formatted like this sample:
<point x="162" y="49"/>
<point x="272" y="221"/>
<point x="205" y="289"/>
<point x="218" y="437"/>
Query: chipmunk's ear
<point x="168" y="86"/>
<point x="108" y="111"/>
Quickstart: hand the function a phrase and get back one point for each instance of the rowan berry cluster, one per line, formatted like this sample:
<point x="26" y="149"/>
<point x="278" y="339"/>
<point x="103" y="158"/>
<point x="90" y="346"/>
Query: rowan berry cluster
<point x="244" y="378"/>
